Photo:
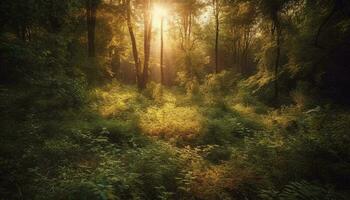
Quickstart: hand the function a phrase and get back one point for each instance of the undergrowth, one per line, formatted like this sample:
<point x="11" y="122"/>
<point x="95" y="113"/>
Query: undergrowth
<point x="166" y="144"/>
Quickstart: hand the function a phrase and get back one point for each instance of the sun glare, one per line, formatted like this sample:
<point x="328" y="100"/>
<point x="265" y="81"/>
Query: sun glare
<point x="159" y="12"/>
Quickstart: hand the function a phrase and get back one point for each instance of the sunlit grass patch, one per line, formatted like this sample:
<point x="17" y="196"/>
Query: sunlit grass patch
<point x="217" y="182"/>
<point x="281" y="118"/>
<point x="169" y="121"/>
<point x="207" y="181"/>
<point x="115" y="100"/>
<point x="245" y="110"/>
<point x="118" y="105"/>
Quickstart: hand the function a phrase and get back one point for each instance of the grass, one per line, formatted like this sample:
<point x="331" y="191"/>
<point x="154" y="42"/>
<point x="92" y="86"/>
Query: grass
<point x="165" y="144"/>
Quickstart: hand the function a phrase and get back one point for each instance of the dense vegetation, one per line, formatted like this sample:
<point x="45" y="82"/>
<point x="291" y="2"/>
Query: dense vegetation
<point x="175" y="99"/>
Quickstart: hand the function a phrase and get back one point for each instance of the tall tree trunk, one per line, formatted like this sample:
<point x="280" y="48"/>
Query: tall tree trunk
<point x="338" y="5"/>
<point x="216" y="13"/>
<point x="147" y="40"/>
<point x="245" y="50"/>
<point x="277" y="62"/>
<point x="239" y="52"/>
<point x="133" y="44"/>
<point x="161" y="52"/>
<point x="189" y="28"/>
<point x="91" y="8"/>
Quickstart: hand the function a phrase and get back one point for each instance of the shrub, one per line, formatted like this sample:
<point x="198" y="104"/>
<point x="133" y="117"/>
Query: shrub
<point x="216" y="86"/>
<point x="302" y="95"/>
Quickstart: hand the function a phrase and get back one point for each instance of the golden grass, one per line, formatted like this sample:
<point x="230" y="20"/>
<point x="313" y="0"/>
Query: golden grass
<point x="169" y="121"/>
<point x="114" y="100"/>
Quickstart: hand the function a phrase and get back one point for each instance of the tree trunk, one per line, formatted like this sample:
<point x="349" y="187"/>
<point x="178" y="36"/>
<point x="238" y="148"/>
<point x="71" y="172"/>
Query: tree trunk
<point x="189" y="28"/>
<point x="147" y="41"/>
<point x="133" y="44"/>
<point x="277" y="63"/>
<point x="338" y="5"/>
<point x="91" y="7"/>
<point x="161" y="52"/>
<point x="245" y="50"/>
<point x="216" y="12"/>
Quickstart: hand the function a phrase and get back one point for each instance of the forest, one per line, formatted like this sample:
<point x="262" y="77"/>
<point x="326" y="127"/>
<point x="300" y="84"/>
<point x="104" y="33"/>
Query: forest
<point x="174" y="99"/>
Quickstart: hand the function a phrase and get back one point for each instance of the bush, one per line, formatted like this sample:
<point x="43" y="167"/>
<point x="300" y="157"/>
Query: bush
<point x="217" y="86"/>
<point x="223" y="131"/>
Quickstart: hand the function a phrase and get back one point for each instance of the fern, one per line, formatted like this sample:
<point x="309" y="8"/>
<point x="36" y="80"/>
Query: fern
<point x="301" y="190"/>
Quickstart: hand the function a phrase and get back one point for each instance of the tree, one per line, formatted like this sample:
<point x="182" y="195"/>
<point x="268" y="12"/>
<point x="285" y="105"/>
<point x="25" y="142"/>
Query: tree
<point x="338" y="5"/>
<point x="217" y="24"/>
<point x="243" y="20"/>
<point x="188" y="10"/>
<point x="133" y="43"/>
<point x="271" y="10"/>
<point x="162" y="51"/>
<point x="141" y="74"/>
<point x="147" y="17"/>
<point x="91" y="9"/>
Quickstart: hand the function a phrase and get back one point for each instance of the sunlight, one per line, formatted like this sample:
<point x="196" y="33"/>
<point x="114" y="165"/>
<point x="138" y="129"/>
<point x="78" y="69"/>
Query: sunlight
<point x="159" y="12"/>
<point x="204" y="17"/>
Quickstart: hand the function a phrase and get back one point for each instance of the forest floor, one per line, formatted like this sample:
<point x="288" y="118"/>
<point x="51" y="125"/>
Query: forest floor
<point x="226" y="145"/>
<point x="202" y="142"/>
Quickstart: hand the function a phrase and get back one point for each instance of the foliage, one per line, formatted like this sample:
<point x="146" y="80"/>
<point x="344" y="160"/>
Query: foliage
<point x="170" y="121"/>
<point x="300" y="190"/>
<point x="77" y="127"/>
